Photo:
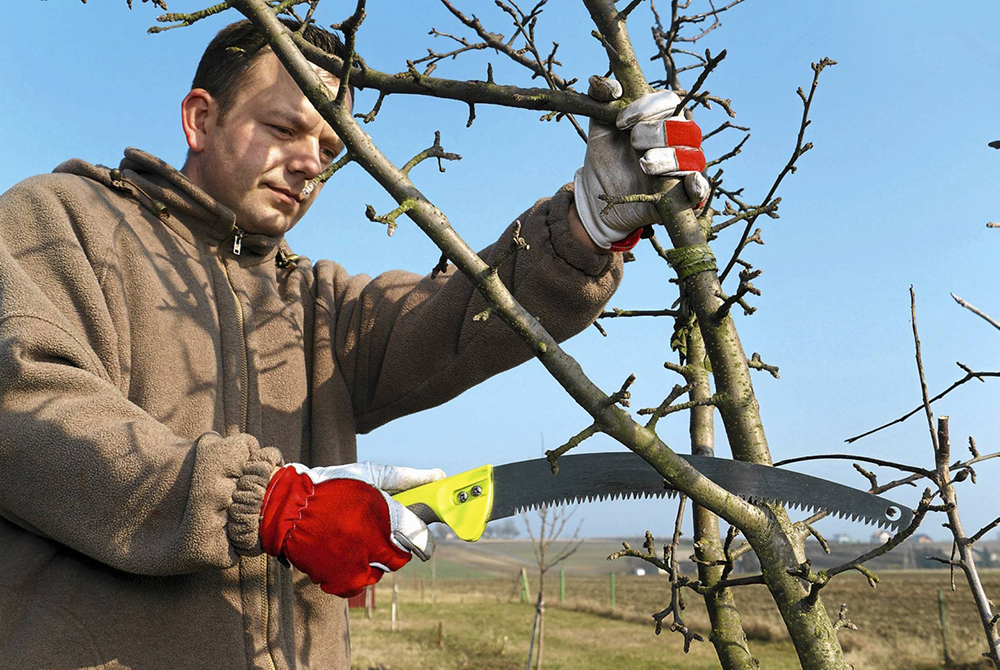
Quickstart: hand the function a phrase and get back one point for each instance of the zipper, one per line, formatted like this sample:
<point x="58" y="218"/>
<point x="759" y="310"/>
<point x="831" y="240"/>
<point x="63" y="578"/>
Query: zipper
<point x="238" y="241"/>
<point x="244" y="359"/>
<point x="266" y="601"/>
<point x="244" y="408"/>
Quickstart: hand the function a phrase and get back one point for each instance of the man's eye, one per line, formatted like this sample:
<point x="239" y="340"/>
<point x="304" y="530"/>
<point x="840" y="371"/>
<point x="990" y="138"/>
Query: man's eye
<point x="329" y="155"/>
<point x="281" y="130"/>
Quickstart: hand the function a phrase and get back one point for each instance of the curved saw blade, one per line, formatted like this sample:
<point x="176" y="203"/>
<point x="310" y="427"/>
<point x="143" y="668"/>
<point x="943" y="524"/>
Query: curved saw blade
<point x="529" y="485"/>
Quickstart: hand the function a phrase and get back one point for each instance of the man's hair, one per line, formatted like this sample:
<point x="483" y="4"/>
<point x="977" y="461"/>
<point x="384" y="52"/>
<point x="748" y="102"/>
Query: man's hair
<point x="232" y="53"/>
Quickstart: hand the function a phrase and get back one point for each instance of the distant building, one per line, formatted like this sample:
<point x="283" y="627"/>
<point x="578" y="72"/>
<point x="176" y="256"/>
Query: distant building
<point x="881" y="536"/>
<point x="922" y="539"/>
<point x="842" y="538"/>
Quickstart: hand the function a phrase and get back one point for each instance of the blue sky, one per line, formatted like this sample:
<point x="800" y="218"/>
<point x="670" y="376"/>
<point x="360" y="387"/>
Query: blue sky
<point x="896" y="192"/>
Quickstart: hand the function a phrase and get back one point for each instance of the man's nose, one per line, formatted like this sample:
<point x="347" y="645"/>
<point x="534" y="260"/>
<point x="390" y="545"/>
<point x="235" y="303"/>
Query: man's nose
<point x="305" y="158"/>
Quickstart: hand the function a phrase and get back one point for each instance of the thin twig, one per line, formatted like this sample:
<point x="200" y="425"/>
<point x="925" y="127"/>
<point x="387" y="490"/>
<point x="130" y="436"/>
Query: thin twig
<point x="976" y="311"/>
<point x="797" y="152"/>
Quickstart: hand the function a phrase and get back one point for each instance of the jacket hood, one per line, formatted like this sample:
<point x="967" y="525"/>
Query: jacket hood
<point x="172" y="197"/>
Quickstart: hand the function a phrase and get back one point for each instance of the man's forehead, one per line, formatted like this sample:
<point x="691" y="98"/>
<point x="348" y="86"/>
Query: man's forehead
<point x="266" y="71"/>
<point x="332" y="82"/>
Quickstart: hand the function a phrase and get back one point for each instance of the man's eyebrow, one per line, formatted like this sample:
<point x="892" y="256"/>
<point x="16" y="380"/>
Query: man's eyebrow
<point x="287" y="118"/>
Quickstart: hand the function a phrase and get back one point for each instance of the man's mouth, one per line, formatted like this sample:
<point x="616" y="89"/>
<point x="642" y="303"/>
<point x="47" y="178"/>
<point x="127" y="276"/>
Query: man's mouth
<point x="285" y="194"/>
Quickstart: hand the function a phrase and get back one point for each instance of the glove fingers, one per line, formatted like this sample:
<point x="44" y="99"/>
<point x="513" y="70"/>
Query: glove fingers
<point x="398" y="478"/>
<point x="665" y="161"/>
<point x="386" y="477"/>
<point x="647" y="108"/>
<point x="672" y="132"/>
<point x="697" y="188"/>
<point x="409" y="533"/>
<point x="604" y="89"/>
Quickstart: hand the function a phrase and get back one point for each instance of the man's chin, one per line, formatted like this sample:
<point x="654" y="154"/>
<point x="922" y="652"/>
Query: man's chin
<point x="272" y="226"/>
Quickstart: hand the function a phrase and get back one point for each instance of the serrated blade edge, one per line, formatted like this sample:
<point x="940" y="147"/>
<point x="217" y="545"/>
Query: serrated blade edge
<point x="527" y="485"/>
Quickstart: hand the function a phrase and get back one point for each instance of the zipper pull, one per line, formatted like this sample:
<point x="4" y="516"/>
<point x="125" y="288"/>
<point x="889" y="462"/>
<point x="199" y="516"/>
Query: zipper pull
<point x="238" y="242"/>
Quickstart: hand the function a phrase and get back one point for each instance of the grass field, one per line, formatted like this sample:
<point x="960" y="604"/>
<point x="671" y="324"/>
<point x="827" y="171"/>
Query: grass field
<point x="475" y="601"/>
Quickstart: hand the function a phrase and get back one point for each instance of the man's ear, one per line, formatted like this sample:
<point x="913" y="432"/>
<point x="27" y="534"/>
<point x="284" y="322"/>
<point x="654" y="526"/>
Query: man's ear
<point x="199" y="113"/>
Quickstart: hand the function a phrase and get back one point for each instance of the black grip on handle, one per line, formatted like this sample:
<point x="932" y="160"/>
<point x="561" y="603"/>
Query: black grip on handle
<point x="424" y="512"/>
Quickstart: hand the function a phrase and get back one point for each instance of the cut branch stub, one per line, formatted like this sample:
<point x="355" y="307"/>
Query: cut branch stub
<point x="390" y="219"/>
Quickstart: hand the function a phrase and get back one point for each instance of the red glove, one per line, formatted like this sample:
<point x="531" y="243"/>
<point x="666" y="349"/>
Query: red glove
<point x="340" y="526"/>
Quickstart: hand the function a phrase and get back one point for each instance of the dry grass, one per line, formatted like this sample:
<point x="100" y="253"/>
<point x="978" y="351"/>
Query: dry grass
<point x="898" y="622"/>
<point x="483" y="634"/>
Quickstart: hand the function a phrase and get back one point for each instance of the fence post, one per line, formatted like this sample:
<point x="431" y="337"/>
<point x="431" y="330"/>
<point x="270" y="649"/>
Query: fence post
<point x="612" y="588"/>
<point x="395" y="599"/>
<point x="369" y="601"/>
<point x="524" y="585"/>
<point x="562" y="585"/>
<point x="943" y="614"/>
<point x="433" y="581"/>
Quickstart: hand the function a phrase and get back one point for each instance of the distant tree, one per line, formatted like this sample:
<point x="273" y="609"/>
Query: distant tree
<point x="550" y="550"/>
<point x="502" y="530"/>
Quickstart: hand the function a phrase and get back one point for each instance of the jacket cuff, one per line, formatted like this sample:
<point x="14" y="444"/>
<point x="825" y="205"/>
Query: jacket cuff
<point x="243" y="526"/>
<point x="565" y="243"/>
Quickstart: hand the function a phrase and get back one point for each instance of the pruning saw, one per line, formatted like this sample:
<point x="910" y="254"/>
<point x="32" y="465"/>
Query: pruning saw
<point x="468" y="501"/>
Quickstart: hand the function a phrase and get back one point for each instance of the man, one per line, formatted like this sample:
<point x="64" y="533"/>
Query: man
<point x="179" y="389"/>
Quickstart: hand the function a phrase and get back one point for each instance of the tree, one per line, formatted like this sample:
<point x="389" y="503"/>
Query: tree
<point x="769" y="531"/>
<point x="504" y="529"/>
<point x="551" y="549"/>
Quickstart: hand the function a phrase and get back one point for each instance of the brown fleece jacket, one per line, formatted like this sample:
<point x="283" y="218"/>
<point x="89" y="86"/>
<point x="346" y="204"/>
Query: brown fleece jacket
<point x="151" y="380"/>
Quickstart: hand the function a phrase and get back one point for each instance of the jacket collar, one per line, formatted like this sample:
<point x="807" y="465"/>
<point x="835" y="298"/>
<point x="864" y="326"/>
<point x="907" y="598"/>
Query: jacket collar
<point x="174" y="199"/>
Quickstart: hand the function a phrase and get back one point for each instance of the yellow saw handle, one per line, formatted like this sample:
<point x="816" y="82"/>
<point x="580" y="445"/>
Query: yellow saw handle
<point x="463" y="501"/>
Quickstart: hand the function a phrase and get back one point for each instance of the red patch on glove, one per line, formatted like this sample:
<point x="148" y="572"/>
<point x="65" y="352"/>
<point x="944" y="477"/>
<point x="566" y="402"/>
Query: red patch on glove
<point x="629" y="242"/>
<point x="689" y="160"/>
<point x="682" y="133"/>
<point x="331" y="531"/>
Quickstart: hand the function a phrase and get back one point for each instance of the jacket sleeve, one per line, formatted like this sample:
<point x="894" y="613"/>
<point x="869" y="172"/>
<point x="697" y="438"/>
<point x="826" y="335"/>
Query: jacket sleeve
<point x="81" y="465"/>
<point x="405" y="342"/>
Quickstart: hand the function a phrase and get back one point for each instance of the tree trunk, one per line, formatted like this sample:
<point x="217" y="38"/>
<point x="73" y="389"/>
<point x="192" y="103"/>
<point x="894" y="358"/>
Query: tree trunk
<point x="727" y="626"/>
<point x="541" y="609"/>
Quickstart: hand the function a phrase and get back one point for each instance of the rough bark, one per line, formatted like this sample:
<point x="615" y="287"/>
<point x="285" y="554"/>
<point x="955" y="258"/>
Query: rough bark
<point x="727" y="635"/>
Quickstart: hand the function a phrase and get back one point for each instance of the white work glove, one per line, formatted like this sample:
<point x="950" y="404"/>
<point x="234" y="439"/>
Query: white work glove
<point x="670" y="146"/>
<point x="340" y="525"/>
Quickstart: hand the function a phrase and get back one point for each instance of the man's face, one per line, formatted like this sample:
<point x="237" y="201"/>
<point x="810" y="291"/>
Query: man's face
<point x="271" y="142"/>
